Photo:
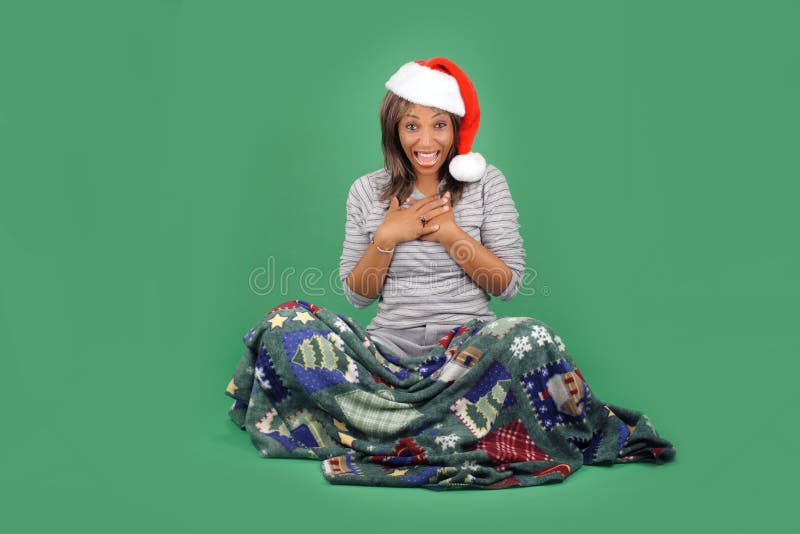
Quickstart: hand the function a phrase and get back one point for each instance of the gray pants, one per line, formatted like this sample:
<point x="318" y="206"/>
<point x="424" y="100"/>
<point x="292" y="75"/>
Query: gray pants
<point x="409" y="342"/>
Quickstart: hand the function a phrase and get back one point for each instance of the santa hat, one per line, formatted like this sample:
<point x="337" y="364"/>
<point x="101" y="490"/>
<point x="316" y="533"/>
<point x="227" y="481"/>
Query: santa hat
<point x="440" y="83"/>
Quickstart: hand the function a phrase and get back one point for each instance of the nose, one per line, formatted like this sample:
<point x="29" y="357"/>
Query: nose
<point x="425" y="137"/>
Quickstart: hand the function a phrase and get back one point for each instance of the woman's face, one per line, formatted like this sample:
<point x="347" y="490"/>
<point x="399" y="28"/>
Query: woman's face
<point x="426" y="135"/>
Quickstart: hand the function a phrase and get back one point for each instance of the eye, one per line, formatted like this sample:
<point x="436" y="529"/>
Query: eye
<point x="442" y="125"/>
<point x="411" y="127"/>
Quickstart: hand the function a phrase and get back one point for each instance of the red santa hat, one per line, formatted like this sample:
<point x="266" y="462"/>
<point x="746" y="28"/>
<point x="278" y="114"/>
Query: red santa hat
<point x="440" y="83"/>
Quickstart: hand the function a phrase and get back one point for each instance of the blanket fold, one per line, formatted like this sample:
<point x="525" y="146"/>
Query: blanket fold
<point x="495" y="404"/>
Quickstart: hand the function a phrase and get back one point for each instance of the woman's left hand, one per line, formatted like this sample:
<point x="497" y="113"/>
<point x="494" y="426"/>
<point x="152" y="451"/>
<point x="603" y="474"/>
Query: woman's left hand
<point x="446" y="221"/>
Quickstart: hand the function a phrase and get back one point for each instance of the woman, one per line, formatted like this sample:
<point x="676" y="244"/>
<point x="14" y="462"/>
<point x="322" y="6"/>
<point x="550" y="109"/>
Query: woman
<point x="436" y="391"/>
<point x="456" y="237"/>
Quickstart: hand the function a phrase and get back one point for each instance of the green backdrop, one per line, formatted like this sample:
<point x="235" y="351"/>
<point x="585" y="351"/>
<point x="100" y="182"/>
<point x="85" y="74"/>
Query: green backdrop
<point x="159" y="159"/>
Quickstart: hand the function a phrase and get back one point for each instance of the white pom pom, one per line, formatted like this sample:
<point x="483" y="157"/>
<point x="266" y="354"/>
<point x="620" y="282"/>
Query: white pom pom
<point x="468" y="167"/>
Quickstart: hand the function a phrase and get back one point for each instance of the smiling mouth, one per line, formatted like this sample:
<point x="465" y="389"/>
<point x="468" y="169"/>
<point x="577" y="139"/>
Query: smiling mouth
<point x="427" y="159"/>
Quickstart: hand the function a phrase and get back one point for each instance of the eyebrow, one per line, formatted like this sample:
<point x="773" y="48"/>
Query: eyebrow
<point x="414" y="116"/>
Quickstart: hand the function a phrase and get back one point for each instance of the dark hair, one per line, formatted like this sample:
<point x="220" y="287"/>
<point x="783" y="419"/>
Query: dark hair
<point x="400" y="170"/>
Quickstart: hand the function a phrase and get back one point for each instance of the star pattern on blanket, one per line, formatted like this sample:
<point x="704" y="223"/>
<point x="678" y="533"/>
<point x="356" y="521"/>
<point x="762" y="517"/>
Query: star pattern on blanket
<point x="341" y="326"/>
<point x="302" y="317"/>
<point x="261" y="376"/>
<point x="346" y="439"/>
<point x="447" y="442"/>
<point x="471" y="465"/>
<point x="277" y="321"/>
<point x="521" y="346"/>
<point x="541" y="335"/>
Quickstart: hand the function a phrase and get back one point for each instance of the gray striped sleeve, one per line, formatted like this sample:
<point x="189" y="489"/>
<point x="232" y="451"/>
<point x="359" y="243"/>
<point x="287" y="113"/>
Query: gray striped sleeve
<point x="356" y="238"/>
<point x="500" y="229"/>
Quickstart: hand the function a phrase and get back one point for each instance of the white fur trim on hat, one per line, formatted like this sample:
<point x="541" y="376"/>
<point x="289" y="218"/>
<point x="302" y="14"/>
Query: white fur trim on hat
<point x="468" y="167"/>
<point x="428" y="87"/>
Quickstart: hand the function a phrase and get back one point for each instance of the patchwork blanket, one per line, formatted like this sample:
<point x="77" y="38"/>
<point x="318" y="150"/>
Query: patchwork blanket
<point x="495" y="404"/>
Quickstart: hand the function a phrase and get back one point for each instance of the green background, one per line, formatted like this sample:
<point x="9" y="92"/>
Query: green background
<point x="156" y="157"/>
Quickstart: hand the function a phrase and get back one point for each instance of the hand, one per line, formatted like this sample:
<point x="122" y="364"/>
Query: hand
<point x="405" y="224"/>
<point x="443" y="219"/>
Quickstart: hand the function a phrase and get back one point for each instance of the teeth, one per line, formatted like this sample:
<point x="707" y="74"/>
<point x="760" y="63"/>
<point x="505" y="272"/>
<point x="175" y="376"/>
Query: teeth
<point x="427" y="158"/>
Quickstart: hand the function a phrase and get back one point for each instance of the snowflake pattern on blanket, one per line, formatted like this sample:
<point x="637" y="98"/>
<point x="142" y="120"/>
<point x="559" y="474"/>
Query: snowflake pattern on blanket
<point x="495" y="404"/>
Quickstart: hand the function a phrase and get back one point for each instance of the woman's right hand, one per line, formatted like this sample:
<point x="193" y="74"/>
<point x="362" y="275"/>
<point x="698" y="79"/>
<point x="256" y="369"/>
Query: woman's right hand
<point x="404" y="224"/>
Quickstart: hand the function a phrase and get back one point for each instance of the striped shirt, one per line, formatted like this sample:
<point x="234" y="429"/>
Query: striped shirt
<point x="424" y="285"/>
